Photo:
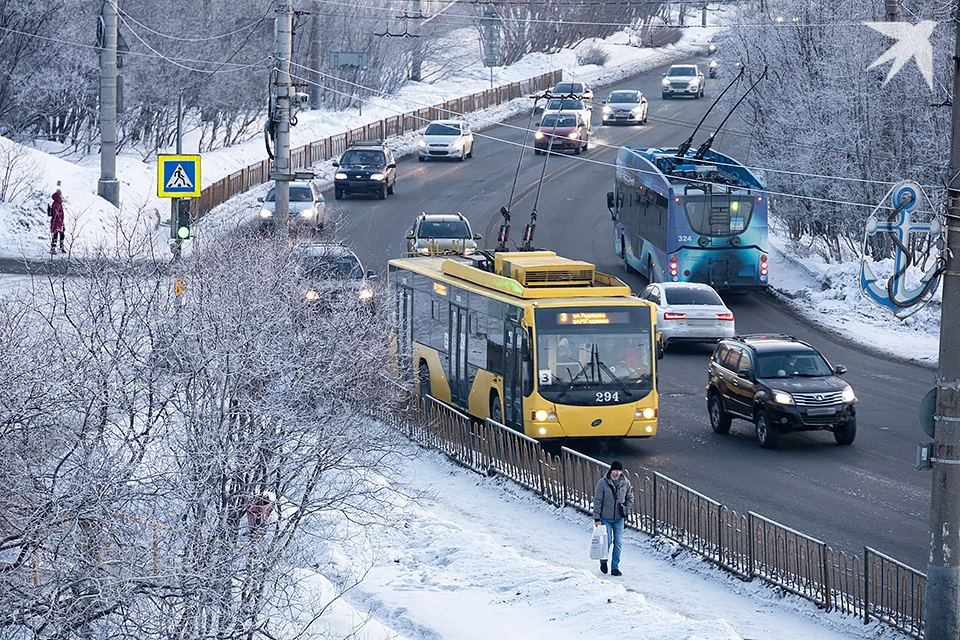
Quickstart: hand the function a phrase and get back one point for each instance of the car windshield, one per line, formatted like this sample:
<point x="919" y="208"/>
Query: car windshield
<point x="556" y="104"/>
<point x="558" y="121"/>
<point x="718" y="215"/>
<point x="682" y="71"/>
<point x="692" y="295"/>
<point x="451" y="229"/>
<point x="568" y="87"/>
<point x="331" y="267"/>
<point x="438" y="129"/>
<point x="297" y="194"/>
<point x="365" y="158"/>
<point x="624" y="97"/>
<point x="792" y="364"/>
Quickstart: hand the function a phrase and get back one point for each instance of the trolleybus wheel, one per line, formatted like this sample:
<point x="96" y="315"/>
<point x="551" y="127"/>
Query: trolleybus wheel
<point x="496" y="410"/>
<point x="424" y="375"/>
<point x="623" y="255"/>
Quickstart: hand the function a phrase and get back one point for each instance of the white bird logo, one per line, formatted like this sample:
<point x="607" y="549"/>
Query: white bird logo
<point x="913" y="41"/>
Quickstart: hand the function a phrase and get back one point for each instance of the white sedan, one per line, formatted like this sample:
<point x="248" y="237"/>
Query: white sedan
<point x="689" y="311"/>
<point x="446" y="139"/>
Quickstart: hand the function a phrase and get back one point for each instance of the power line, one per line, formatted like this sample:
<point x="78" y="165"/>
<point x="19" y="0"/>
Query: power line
<point x="252" y="25"/>
<point x="599" y="144"/>
<point x="768" y="192"/>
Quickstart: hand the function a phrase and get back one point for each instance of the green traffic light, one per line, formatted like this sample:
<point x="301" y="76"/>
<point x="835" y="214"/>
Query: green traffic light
<point x="183" y="233"/>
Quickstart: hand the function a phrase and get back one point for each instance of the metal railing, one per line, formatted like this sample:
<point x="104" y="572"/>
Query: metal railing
<point x="327" y="148"/>
<point x="875" y="587"/>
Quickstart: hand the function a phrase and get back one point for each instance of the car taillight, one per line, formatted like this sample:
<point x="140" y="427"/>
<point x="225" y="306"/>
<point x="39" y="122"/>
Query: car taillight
<point x="670" y="315"/>
<point x="725" y="316"/>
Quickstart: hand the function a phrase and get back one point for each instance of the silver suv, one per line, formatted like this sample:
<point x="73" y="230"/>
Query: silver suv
<point x="683" y="80"/>
<point x="307" y="207"/>
<point x="442" y="233"/>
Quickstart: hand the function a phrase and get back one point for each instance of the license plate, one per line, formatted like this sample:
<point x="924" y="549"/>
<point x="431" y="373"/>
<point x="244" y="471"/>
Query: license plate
<point x="821" y="411"/>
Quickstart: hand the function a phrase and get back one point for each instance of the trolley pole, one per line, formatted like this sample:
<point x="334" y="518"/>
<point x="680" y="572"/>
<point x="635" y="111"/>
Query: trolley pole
<point x="283" y="88"/>
<point x="942" y="598"/>
<point x="108" y="187"/>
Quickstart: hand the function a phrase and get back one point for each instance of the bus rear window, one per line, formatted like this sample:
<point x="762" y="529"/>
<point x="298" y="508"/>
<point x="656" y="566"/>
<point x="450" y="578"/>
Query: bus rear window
<point x="718" y="215"/>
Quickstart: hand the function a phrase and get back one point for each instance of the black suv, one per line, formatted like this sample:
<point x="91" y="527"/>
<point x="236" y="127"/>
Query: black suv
<point x="365" y="167"/>
<point x="780" y="384"/>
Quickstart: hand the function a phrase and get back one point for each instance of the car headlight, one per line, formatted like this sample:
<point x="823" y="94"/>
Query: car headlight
<point x="377" y="176"/>
<point x="782" y="397"/>
<point x="306" y="213"/>
<point x="574" y="135"/>
<point x="422" y="144"/>
<point x="607" y="109"/>
<point x="538" y="135"/>
<point x="339" y="176"/>
<point x="456" y="144"/>
<point x="266" y="213"/>
<point x="848" y="394"/>
<point x="694" y="82"/>
<point x="712" y="48"/>
<point x="713" y="64"/>
<point x="636" y="110"/>
<point x="311" y="296"/>
<point x="666" y="82"/>
<point x="365" y="294"/>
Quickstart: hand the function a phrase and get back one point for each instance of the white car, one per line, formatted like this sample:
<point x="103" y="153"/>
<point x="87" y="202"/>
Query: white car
<point x="556" y="105"/>
<point x="307" y="207"/>
<point x="572" y="89"/>
<point x="683" y="80"/>
<point x="442" y="233"/>
<point x="689" y="311"/>
<point x="446" y="139"/>
<point x="625" y="106"/>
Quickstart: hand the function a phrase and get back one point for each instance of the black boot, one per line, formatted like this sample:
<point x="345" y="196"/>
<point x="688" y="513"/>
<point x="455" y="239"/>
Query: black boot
<point x="603" y="566"/>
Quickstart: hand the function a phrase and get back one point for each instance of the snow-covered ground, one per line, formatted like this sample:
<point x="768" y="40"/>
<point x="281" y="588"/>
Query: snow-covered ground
<point x="481" y="558"/>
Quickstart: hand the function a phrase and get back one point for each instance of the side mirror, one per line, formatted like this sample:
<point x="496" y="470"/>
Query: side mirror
<point x="392" y="165"/>
<point x="477" y="236"/>
<point x="260" y="199"/>
<point x="371" y="273"/>
<point x="664" y="75"/>
<point x="409" y="236"/>
<point x="745" y="373"/>
<point x="603" y="102"/>
<point x="840" y="370"/>
<point x="643" y="101"/>
<point x="335" y="163"/>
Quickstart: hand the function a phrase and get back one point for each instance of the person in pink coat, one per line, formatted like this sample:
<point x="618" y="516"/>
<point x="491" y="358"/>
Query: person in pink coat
<point x="57" y="226"/>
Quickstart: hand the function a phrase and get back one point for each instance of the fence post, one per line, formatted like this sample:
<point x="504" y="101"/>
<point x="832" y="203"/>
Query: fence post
<point x="750" y="543"/>
<point x="866" y="586"/>
<point x="720" y="533"/>
<point x="826" y="576"/>
<point x="656" y="492"/>
<point x="563" y="475"/>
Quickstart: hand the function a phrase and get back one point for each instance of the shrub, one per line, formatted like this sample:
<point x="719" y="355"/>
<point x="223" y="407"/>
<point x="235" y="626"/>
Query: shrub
<point x="592" y="55"/>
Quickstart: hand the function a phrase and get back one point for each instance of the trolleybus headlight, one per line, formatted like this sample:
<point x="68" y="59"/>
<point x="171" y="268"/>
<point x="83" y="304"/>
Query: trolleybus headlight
<point x="648" y="429"/>
<point x="848" y="395"/>
<point x="782" y="397"/>
<point x="648" y="413"/>
<point x="735" y="241"/>
<point x="543" y="431"/>
<point x="541" y="416"/>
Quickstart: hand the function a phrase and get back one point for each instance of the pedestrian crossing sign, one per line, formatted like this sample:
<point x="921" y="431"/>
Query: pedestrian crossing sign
<point x="178" y="176"/>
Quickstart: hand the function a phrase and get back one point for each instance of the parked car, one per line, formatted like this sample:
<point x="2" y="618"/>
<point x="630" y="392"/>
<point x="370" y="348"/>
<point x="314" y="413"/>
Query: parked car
<point x="446" y="139"/>
<point x="572" y="89"/>
<point x="367" y="166"/>
<point x="689" y="312"/>
<point x="442" y="233"/>
<point x="565" y="130"/>
<point x="332" y="277"/>
<point x="780" y="384"/>
<point x="625" y="106"/>
<point x="683" y="80"/>
<point x="307" y="208"/>
<point x="556" y="105"/>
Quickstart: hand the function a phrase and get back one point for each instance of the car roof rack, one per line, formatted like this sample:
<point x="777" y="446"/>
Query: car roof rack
<point x="366" y="143"/>
<point x="765" y="336"/>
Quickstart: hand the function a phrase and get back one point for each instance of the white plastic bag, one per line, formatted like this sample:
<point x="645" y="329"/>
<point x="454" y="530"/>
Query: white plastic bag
<point x="598" y="543"/>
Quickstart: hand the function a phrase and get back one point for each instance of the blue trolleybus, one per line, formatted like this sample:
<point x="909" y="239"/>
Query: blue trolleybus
<point x="689" y="218"/>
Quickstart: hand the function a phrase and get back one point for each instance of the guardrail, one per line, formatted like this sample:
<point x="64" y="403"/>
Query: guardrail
<point x="752" y="546"/>
<point x="327" y="148"/>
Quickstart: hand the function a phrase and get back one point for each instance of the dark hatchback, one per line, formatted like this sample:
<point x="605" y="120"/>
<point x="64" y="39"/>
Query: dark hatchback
<point x="780" y="384"/>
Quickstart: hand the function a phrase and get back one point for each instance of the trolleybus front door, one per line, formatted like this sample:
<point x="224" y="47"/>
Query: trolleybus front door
<point x="512" y="378"/>
<point x="459" y="384"/>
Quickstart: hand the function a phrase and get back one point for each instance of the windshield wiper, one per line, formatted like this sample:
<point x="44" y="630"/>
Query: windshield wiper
<point x="602" y="365"/>
<point x="572" y="382"/>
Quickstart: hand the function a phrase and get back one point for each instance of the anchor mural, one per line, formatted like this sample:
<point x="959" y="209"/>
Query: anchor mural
<point x="894" y="295"/>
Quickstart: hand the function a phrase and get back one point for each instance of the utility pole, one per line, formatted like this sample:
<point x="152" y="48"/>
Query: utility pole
<point x="416" y="57"/>
<point x="893" y="10"/>
<point x="942" y="596"/>
<point x="283" y="90"/>
<point x="316" y="60"/>
<point x="703" y="16"/>
<point x="175" y="202"/>
<point x="108" y="186"/>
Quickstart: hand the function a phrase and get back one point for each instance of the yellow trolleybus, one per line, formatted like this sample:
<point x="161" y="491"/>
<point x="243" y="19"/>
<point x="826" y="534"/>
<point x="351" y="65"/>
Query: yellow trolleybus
<point x="543" y="344"/>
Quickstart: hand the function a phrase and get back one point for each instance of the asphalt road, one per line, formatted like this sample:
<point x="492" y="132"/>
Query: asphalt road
<point x="864" y="494"/>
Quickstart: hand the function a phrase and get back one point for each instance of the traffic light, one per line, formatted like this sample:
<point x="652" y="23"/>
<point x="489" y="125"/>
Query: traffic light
<point x="183" y="219"/>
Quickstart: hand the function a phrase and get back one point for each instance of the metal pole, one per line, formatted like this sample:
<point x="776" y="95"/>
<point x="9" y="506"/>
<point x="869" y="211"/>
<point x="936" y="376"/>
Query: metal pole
<point x="703" y="16"/>
<point x="315" y="60"/>
<point x="175" y="202"/>
<point x="893" y="10"/>
<point x="283" y="90"/>
<point x="108" y="186"/>
<point x="942" y="601"/>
